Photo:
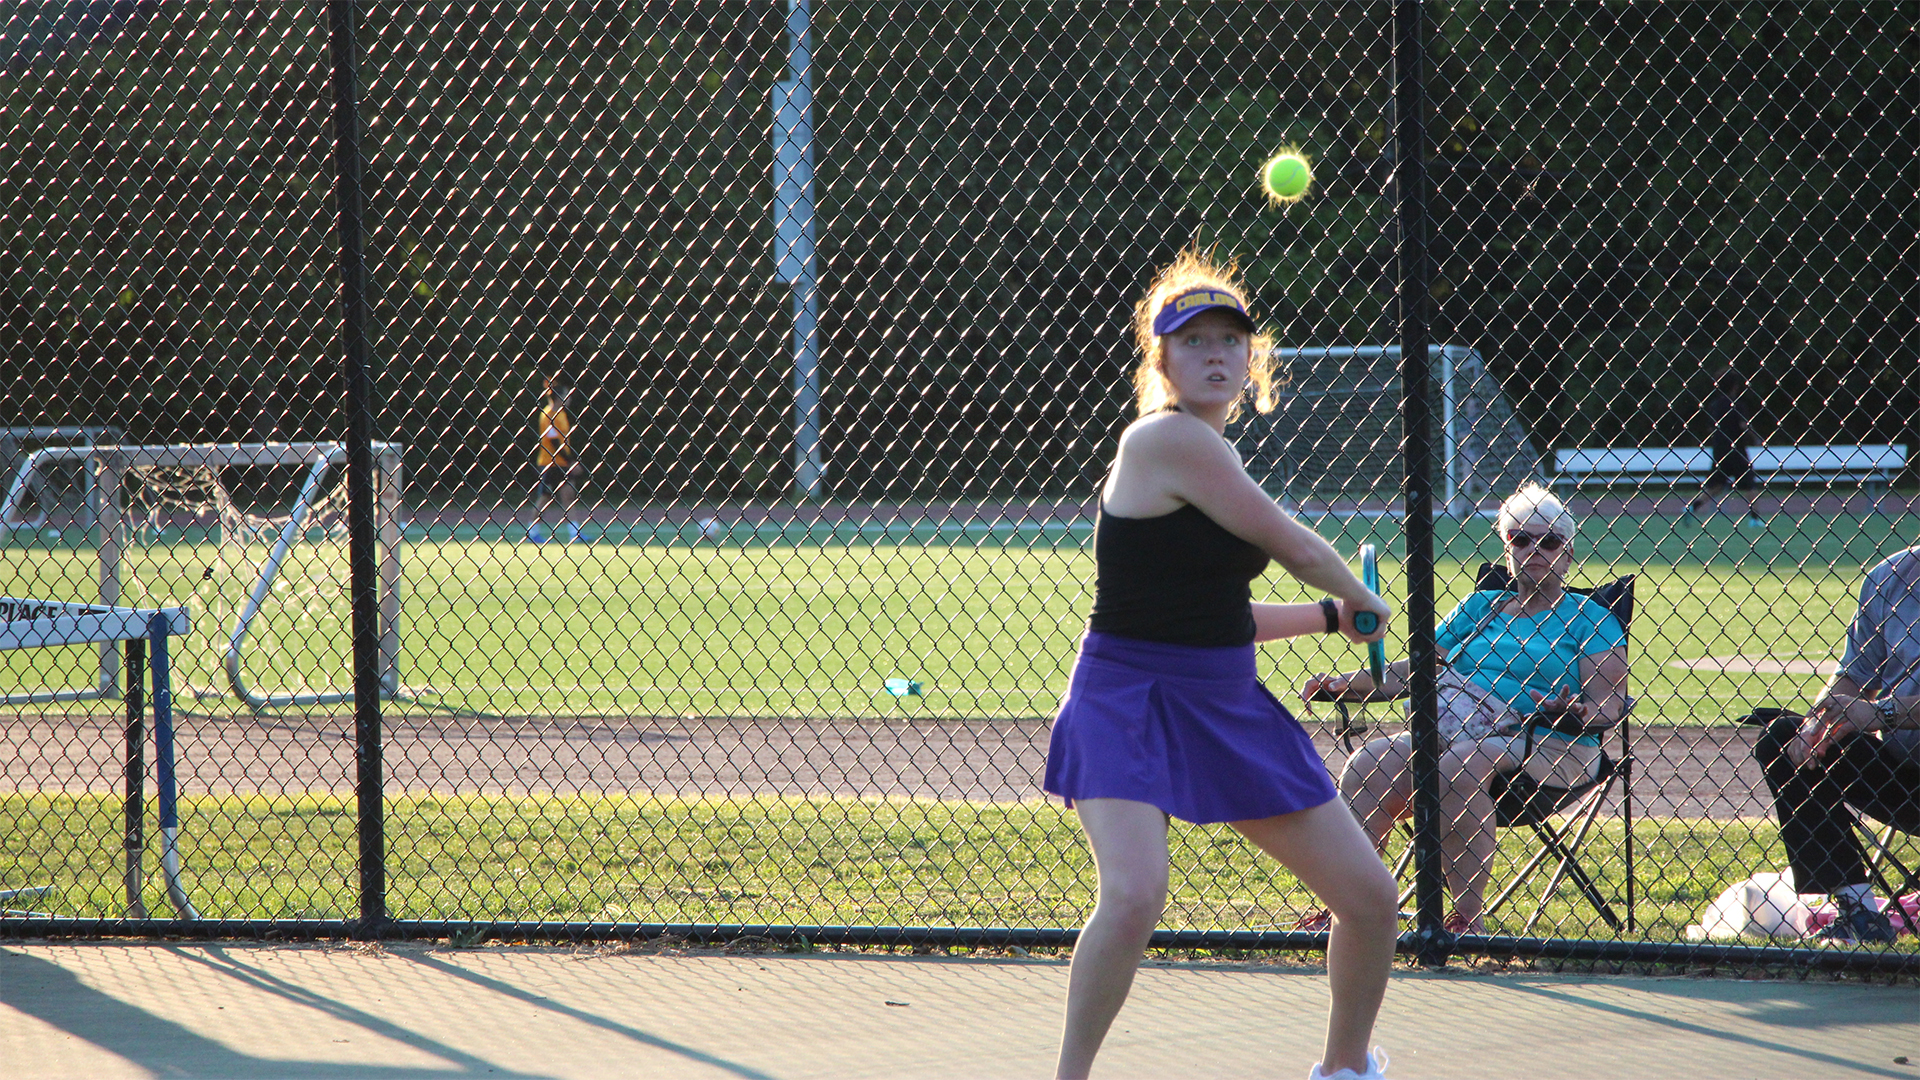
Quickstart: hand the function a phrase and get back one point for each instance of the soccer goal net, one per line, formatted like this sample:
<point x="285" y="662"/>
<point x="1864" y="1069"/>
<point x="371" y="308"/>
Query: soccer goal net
<point x="252" y="537"/>
<point x="1334" y="441"/>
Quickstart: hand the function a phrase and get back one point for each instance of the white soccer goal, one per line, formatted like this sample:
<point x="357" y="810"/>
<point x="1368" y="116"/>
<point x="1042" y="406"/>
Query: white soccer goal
<point x="253" y="535"/>
<point x="1335" y="439"/>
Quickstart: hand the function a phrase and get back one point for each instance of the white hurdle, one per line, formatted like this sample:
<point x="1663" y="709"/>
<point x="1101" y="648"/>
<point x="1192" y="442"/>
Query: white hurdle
<point x="33" y="624"/>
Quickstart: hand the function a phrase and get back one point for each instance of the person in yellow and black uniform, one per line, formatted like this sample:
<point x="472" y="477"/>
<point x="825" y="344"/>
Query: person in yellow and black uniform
<point x="559" y="466"/>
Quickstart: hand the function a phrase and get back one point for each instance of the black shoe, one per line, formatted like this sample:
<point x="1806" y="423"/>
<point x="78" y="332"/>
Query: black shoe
<point x="1857" y="924"/>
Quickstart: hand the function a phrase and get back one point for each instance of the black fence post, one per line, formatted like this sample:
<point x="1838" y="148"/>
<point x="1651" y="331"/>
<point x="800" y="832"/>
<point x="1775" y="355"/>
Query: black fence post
<point x="136" y="774"/>
<point x="364" y="581"/>
<point x="1432" y="943"/>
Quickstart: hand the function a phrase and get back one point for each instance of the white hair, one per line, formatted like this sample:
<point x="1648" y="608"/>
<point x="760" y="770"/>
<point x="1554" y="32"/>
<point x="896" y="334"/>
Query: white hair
<point x="1535" y="505"/>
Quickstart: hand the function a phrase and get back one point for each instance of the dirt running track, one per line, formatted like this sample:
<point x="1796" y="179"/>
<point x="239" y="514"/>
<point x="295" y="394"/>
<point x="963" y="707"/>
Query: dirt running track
<point x="1680" y="771"/>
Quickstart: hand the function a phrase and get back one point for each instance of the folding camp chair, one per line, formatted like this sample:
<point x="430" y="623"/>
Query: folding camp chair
<point x="1880" y="857"/>
<point x="1521" y="801"/>
<point x="1885" y="871"/>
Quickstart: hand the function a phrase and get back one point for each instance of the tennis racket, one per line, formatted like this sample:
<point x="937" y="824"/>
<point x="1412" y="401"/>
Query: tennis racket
<point x="1367" y="622"/>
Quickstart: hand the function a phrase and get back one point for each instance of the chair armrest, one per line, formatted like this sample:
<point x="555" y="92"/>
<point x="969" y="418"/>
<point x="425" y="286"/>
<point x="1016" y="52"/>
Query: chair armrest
<point x="1367" y="698"/>
<point x="1565" y="723"/>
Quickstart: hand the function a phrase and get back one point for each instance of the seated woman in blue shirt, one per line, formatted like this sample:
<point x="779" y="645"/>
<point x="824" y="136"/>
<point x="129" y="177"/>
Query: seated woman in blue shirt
<point x="1508" y="655"/>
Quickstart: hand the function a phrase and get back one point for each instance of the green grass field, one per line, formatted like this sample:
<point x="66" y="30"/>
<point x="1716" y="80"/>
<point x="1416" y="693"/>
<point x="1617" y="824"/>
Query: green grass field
<point x="763" y="861"/>
<point x="813" y="623"/>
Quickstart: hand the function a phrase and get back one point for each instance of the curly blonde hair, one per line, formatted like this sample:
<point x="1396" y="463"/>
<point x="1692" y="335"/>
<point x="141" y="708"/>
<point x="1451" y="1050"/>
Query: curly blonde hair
<point x="1194" y="269"/>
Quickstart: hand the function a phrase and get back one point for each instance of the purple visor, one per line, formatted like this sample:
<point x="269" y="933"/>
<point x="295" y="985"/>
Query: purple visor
<point x="1181" y="309"/>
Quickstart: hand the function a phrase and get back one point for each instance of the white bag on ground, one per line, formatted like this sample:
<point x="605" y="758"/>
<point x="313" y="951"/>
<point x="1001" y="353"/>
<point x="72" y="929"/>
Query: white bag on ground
<point x="1764" y="905"/>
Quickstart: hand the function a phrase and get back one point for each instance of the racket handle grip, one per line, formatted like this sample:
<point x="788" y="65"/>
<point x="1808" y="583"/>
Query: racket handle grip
<point x="1366" y="622"/>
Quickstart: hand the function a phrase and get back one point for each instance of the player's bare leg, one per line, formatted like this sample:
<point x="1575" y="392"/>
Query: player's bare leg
<point x="1129" y="841"/>
<point x="1328" y="851"/>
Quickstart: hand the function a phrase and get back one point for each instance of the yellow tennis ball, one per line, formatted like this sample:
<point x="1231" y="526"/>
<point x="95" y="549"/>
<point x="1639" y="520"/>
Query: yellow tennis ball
<point x="1286" y="177"/>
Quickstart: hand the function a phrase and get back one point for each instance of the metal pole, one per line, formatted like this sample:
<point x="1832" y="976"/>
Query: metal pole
<point x="794" y="260"/>
<point x="136" y="842"/>
<point x="1449" y="446"/>
<point x="807" y="465"/>
<point x="364" y="579"/>
<point x="1626" y="804"/>
<point x="1432" y="944"/>
<point x="165" y="781"/>
<point x="112" y="538"/>
<point x="388" y="480"/>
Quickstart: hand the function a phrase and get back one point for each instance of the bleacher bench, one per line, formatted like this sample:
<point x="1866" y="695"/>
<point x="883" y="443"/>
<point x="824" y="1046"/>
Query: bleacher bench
<point x="1871" y="465"/>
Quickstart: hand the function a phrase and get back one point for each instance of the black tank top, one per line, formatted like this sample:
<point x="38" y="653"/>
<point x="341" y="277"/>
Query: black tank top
<point x="1178" y="578"/>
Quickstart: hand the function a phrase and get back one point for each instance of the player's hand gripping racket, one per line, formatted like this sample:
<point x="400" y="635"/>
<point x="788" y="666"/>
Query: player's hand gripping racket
<point x="1366" y="622"/>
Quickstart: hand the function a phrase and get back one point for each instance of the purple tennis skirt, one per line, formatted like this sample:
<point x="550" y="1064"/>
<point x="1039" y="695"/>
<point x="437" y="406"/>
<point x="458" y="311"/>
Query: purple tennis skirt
<point x="1186" y="728"/>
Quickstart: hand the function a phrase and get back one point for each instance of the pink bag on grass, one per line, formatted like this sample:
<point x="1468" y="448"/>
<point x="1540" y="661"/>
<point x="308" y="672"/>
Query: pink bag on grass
<point x="1903" y="912"/>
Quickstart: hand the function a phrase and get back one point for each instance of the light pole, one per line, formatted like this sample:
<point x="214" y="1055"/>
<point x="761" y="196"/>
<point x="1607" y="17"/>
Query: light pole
<point x="793" y="244"/>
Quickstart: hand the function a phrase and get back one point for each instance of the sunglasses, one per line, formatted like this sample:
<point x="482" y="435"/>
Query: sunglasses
<point x="1521" y="540"/>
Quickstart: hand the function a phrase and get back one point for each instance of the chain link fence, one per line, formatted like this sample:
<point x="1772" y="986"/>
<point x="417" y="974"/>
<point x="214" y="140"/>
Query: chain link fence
<point x="743" y="375"/>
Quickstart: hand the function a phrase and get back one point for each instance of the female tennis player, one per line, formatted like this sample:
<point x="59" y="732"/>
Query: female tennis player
<point x="1164" y="716"/>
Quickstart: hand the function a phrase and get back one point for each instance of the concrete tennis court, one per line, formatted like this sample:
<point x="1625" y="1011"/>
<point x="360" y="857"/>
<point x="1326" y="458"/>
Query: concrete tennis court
<point x="105" y="1011"/>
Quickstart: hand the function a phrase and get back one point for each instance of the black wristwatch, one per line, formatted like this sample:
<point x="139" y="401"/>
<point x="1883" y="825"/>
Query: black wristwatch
<point x="1332" y="611"/>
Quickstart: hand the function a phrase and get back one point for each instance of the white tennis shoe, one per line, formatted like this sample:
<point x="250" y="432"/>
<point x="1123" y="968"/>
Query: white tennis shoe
<point x="1376" y="1069"/>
